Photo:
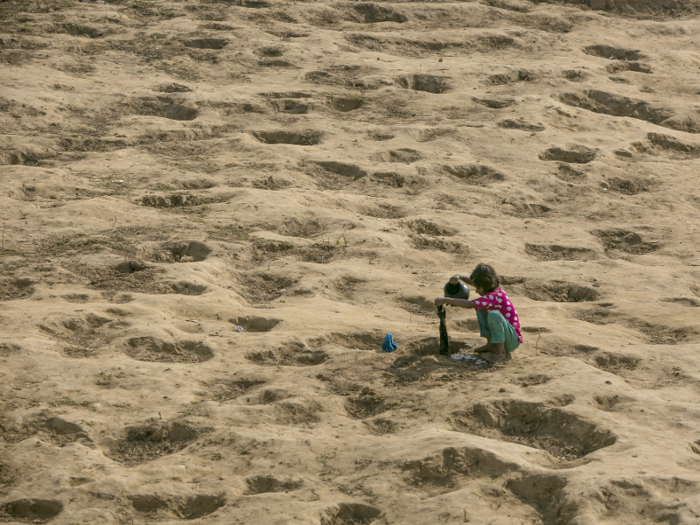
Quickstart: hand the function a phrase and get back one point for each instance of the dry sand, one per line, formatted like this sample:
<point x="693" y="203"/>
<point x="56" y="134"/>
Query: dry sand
<point x="174" y="169"/>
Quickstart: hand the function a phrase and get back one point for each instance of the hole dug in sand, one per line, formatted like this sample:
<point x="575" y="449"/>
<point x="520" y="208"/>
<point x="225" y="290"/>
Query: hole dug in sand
<point x="174" y="111"/>
<point x="74" y="328"/>
<point x="344" y="288"/>
<point x="62" y="431"/>
<point x="76" y="298"/>
<point x="613" y="53"/>
<point x="82" y="30"/>
<point x="31" y="510"/>
<point x="305" y="138"/>
<point x="270" y="395"/>
<point x="419" y="305"/>
<point x="151" y="440"/>
<point x="381" y="426"/>
<point x="181" y="200"/>
<point x="55" y="430"/>
<point x="192" y="251"/>
<point x="263" y="288"/>
<point x="366" y="404"/>
<point x="620" y="106"/>
<point x="265" y="484"/>
<point x="255" y="324"/>
<point x="475" y="174"/>
<point x="275" y="62"/>
<point x="297" y="412"/>
<point x="576" y="154"/>
<point x="403" y="155"/>
<point x="567" y="173"/>
<point x="625" y="241"/>
<point x="380" y="137"/>
<point x="408" y="369"/>
<point x="373" y="14"/>
<point x="385" y="211"/>
<point x="494" y="103"/>
<point x="658" y="143"/>
<point x="421" y="242"/>
<point x="558" y="292"/>
<point x="441" y="472"/>
<point x="225" y="389"/>
<point x="650" y="499"/>
<point x="134" y="276"/>
<point x="500" y="79"/>
<point x="219" y="27"/>
<point x="520" y="124"/>
<point x="287" y="94"/>
<point x="554" y="252"/>
<point x="657" y="334"/>
<point x="427" y="83"/>
<point x="392" y="179"/>
<point x="251" y="4"/>
<point x="302" y="228"/>
<point x="609" y="403"/>
<point x="163" y="107"/>
<point x="361" y="341"/>
<point x="189" y="508"/>
<point x="271" y="51"/>
<point x="173" y="88"/>
<point x="544" y="493"/>
<point x="290" y="106"/>
<point x="683" y="301"/>
<point x="346" y="104"/>
<point x="293" y="354"/>
<point x="535" y="380"/>
<point x="627" y="186"/>
<point x="196" y="184"/>
<point x="153" y="349"/>
<point x="637" y="67"/>
<point x="129" y="267"/>
<point x="207" y="43"/>
<point x="182" y="288"/>
<point x="425" y="227"/>
<point x="341" y="168"/>
<point x="350" y="514"/>
<point x="15" y="289"/>
<point x="525" y="209"/>
<point x="431" y="346"/>
<point x="574" y="75"/>
<point x="616" y="363"/>
<point x="563" y="434"/>
<point x="83" y="334"/>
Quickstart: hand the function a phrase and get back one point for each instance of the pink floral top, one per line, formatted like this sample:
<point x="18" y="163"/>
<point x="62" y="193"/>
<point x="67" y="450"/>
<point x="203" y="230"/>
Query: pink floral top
<point x="497" y="301"/>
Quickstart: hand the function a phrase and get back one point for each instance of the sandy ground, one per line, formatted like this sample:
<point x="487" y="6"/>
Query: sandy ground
<point x="314" y="173"/>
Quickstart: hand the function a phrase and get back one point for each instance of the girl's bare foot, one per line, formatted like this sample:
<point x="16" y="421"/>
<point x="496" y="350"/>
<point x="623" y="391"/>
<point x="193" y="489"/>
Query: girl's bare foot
<point x="493" y="358"/>
<point x="482" y="349"/>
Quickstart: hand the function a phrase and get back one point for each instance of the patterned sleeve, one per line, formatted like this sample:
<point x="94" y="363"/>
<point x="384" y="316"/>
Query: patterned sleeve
<point x="490" y="301"/>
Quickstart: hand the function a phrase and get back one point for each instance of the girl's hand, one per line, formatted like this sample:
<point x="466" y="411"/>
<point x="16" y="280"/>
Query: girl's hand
<point x="441" y="300"/>
<point x="455" y="279"/>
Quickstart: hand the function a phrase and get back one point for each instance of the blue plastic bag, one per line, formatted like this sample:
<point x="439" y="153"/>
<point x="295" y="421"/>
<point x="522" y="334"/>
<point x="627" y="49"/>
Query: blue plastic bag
<point x="389" y="345"/>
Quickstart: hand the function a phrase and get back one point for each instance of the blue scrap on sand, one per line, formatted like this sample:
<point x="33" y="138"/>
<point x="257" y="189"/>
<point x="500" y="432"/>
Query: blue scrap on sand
<point x="389" y="345"/>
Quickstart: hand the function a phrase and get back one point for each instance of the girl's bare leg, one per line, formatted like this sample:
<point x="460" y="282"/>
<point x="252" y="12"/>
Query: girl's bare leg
<point x="497" y="353"/>
<point x="486" y="348"/>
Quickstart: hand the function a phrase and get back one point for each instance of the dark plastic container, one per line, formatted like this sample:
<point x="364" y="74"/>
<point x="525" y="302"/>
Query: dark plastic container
<point x="457" y="291"/>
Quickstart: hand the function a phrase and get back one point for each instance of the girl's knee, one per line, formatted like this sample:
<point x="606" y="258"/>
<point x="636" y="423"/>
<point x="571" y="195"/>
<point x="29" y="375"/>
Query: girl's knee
<point x="495" y="317"/>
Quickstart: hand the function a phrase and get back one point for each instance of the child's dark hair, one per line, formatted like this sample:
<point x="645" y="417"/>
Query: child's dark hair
<point x="484" y="277"/>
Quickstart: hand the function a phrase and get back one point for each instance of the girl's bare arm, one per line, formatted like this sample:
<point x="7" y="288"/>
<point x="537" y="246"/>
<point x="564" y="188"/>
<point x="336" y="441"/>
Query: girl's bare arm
<point x="458" y="277"/>
<point x="461" y="303"/>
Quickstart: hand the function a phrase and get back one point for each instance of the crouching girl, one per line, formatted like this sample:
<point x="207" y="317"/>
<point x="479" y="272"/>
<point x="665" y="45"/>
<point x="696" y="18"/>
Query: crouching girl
<point x="498" y="320"/>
